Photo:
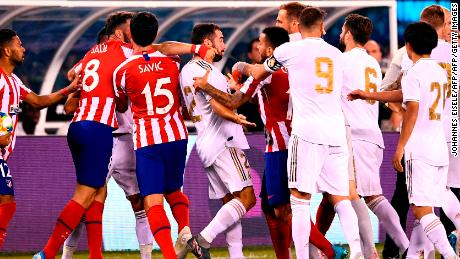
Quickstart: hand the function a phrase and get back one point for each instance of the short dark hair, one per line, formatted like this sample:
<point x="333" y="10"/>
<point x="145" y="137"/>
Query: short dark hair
<point x="203" y="31"/>
<point x="360" y="27"/>
<point x="115" y="20"/>
<point x="293" y="9"/>
<point x="276" y="35"/>
<point x="251" y="43"/>
<point x="433" y="15"/>
<point x="422" y="37"/>
<point x="311" y="16"/>
<point x="6" y="35"/>
<point x="144" y="28"/>
<point x="102" y="35"/>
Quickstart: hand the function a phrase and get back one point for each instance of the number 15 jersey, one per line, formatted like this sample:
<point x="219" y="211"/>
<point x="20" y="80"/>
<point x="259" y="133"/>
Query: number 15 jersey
<point x="151" y="82"/>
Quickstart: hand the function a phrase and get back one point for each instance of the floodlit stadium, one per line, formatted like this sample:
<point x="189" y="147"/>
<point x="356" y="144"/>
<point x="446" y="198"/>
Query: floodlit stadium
<point x="57" y="34"/>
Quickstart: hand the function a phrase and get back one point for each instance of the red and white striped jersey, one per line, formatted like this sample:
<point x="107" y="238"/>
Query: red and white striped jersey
<point x="273" y="95"/>
<point x="12" y="92"/>
<point x="151" y="82"/>
<point x="96" y="70"/>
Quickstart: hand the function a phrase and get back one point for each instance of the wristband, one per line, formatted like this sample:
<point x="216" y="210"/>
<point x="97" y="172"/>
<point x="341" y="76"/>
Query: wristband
<point x="200" y="50"/>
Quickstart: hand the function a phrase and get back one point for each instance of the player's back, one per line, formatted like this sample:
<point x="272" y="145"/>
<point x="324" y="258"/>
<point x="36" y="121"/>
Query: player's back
<point x="315" y="80"/>
<point x="151" y="81"/>
<point x="426" y="81"/>
<point x="361" y="71"/>
<point x="96" y="70"/>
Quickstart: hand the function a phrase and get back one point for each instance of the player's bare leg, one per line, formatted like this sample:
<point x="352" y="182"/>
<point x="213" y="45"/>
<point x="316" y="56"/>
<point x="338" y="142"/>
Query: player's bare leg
<point x="349" y="223"/>
<point x="143" y="233"/>
<point x="234" y="234"/>
<point x="159" y="224"/>
<point x="434" y="230"/>
<point x="7" y="210"/>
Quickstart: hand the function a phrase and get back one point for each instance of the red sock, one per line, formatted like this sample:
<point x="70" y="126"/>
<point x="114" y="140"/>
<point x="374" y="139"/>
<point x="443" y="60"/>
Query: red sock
<point x="317" y="239"/>
<point x="67" y="221"/>
<point x="94" y="229"/>
<point x="179" y="207"/>
<point x="324" y="216"/>
<point x="161" y="230"/>
<point x="280" y="234"/>
<point x="6" y="214"/>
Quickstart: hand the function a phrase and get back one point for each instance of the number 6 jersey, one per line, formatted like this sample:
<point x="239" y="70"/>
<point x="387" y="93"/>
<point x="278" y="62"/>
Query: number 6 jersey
<point x="96" y="70"/>
<point x="151" y="82"/>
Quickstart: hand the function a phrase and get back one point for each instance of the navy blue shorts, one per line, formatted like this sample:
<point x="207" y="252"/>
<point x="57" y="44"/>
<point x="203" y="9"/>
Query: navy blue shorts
<point x="6" y="180"/>
<point x="276" y="177"/>
<point x="160" y="167"/>
<point x="91" y="146"/>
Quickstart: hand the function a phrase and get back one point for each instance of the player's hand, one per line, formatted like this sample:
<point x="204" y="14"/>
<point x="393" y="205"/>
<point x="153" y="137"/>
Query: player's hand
<point x="397" y="159"/>
<point x="75" y="85"/>
<point x="241" y="119"/>
<point x="71" y="75"/>
<point x="200" y="83"/>
<point x="239" y="66"/>
<point x="5" y="140"/>
<point x="357" y="94"/>
<point x="232" y="83"/>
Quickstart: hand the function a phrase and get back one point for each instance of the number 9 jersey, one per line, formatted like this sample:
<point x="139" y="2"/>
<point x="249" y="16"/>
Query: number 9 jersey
<point x="151" y="82"/>
<point x="96" y="70"/>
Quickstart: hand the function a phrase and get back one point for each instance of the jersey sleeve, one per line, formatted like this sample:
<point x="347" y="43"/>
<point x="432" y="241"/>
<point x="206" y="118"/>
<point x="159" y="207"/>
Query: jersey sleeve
<point x="410" y="88"/>
<point x="119" y="81"/>
<point x="24" y="91"/>
<point x="251" y="87"/>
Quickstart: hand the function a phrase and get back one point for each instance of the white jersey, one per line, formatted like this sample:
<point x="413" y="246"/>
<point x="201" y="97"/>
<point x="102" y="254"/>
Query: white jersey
<point x="315" y="80"/>
<point x="361" y="71"/>
<point x="423" y="83"/>
<point x="214" y="132"/>
<point x="125" y="122"/>
<point x="296" y="36"/>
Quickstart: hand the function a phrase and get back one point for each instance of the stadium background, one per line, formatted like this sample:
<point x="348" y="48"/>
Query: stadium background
<point x="58" y="36"/>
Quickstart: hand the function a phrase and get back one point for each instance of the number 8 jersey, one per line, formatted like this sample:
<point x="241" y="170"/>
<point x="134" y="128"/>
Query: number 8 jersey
<point x="151" y="82"/>
<point x="96" y="70"/>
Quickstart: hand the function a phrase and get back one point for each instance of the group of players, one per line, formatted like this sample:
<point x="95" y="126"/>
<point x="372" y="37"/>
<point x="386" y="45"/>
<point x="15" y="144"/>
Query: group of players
<point x="126" y="96"/>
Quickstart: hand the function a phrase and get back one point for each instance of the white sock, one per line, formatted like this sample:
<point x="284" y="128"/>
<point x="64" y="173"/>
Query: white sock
<point x="365" y="227"/>
<point x="390" y="221"/>
<point x="436" y="233"/>
<point x="349" y="223"/>
<point x="451" y="207"/>
<point x="419" y="243"/>
<point x="228" y="215"/>
<point x="301" y="226"/>
<point x="144" y="234"/>
<point x="71" y="243"/>
<point x="234" y="238"/>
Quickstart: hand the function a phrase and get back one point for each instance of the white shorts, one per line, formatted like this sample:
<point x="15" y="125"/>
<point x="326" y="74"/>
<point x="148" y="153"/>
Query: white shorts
<point x="230" y="173"/>
<point x="426" y="183"/>
<point x="351" y="162"/>
<point x="317" y="168"/>
<point x="367" y="160"/>
<point x="122" y="165"/>
<point x="453" y="176"/>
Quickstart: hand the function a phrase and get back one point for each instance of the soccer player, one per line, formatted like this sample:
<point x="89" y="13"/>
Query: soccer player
<point x="12" y="93"/>
<point x="362" y="71"/>
<point x="422" y="139"/>
<point x="220" y="143"/>
<point x="318" y="155"/>
<point x="289" y="18"/>
<point x="273" y="96"/>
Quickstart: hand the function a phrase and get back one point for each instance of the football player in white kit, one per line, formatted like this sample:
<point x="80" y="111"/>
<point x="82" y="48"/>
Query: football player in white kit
<point x="362" y="71"/>
<point x="220" y="146"/>
<point x="422" y="139"/>
<point x="318" y="153"/>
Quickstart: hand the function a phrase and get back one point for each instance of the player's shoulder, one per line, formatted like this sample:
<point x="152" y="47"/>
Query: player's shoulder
<point x="197" y="66"/>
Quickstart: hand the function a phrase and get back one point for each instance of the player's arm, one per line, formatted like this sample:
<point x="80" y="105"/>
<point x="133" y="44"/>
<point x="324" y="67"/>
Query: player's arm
<point x="170" y="48"/>
<point x="228" y="114"/>
<point x="43" y="101"/>
<point x="410" y="117"/>
<point x="72" y="102"/>
<point x="386" y="96"/>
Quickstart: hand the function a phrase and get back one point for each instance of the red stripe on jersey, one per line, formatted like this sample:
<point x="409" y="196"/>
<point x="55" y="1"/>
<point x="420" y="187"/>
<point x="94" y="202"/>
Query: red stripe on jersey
<point x="279" y="137"/>
<point x="174" y="125"/>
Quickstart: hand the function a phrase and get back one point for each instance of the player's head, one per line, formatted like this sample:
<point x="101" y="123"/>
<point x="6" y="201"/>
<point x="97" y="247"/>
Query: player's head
<point x="420" y="38"/>
<point x="447" y="25"/>
<point x="373" y="49"/>
<point x="253" y="51"/>
<point x="210" y="35"/>
<point x="102" y="35"/>
<point x="270" y="39"/>
<point x="11" y="47"/>
<point x="117" y="25"/>
<point x="356" y="30"/>
<point x="434" y="16"/>
<point x="312" y="20"/>
<point x="289" y="16"/>
<point x="144" y="28"/>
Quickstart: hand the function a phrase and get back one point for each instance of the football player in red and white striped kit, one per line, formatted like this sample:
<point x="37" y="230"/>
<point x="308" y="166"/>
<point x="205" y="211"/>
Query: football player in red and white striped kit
<point x="12" y="93"/>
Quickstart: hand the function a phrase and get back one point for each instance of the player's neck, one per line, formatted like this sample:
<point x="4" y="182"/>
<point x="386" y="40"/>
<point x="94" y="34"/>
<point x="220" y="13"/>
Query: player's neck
<point x="311" y="34"/>
<point x="138" y="48"/>
<point x="353" y="45"/>
<point x="196" y="57"/>
<point x="416" y="57"/>
<point x="6" y="66"/>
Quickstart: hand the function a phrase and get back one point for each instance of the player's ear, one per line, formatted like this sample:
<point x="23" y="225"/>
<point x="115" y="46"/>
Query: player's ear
<point x="207" y="43"/>
<point x="269" y="51"/>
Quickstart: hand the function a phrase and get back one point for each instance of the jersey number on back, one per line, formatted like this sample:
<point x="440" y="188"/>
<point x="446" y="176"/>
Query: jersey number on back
<point x="91" y="72"/>
<point x="327" y="73"/>
<point x="435" y="86"/>
<point x="158" y="91"/>
<point x="194" y="118"/>
<point x="370" y="87"/>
